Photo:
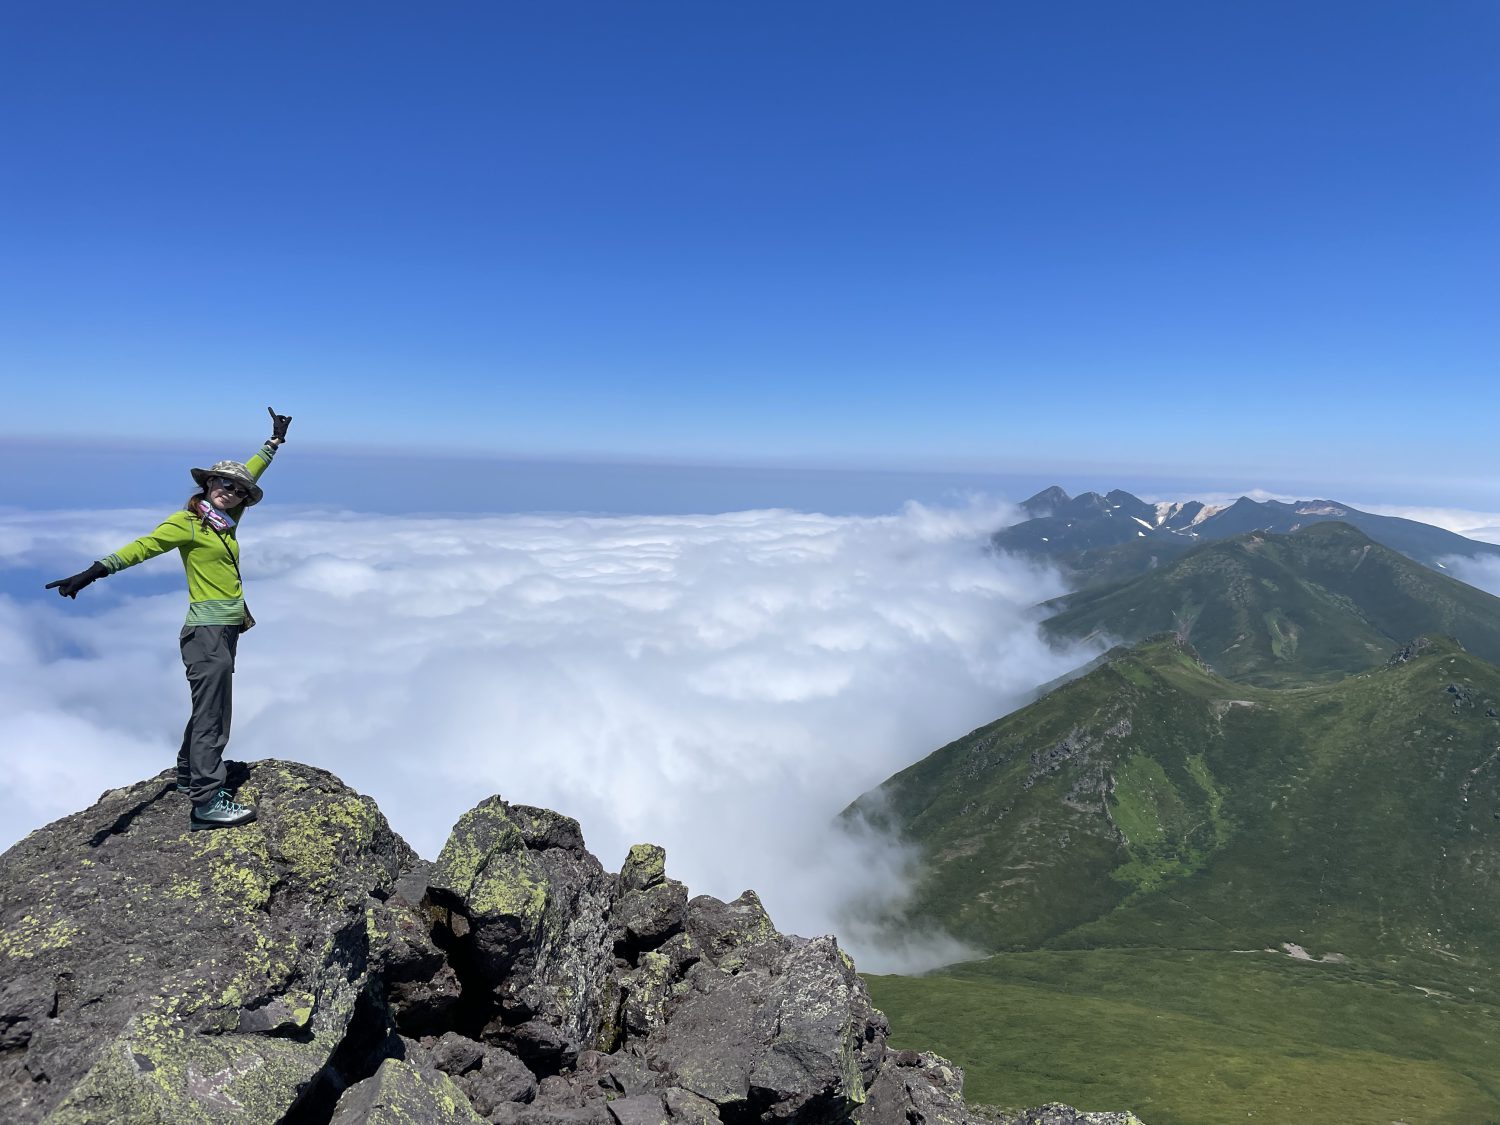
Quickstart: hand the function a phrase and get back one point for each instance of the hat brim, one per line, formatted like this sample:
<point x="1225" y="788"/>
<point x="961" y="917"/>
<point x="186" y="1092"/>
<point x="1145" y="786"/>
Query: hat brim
<point x="256" y="492"/>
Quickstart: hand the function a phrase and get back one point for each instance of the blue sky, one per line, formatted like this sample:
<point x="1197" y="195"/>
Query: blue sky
<point x="1235" y="243"/>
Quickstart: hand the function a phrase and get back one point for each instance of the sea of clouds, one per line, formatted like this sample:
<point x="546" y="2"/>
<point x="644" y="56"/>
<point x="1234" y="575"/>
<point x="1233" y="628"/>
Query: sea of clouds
<point x="722" y="685"/>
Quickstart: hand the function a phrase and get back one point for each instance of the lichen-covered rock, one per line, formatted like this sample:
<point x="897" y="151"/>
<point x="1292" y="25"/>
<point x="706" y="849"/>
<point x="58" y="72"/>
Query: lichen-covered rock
<point x="533" y="927"/>
<point x="647" y="988"/>
<point x="400" y="1093"/>
<point x="308" y="967"/>
<point x="652" y="908"/>
<point x="156" y="974"/>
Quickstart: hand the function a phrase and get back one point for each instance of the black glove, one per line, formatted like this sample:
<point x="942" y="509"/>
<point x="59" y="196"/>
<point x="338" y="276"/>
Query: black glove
<point x="69" y="587"/>
<point x="279" y="423"/>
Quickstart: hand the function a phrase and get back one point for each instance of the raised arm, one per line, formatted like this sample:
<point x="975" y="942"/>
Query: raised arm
<point x="262" y="460"/>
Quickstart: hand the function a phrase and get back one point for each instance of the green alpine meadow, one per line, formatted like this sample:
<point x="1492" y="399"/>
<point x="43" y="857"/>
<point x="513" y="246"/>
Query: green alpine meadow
<point x="1245" y="868"/>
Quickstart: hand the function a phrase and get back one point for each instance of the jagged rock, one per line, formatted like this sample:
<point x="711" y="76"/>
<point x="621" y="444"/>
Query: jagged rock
<point x="624" y="1072"/>
<point x="309" y="967"/>
<point x="538" y="1043"/>
<point x="732" y="934"/>
<point x="561" y="1099"/>
<point x="400" y="1093"/>
<point x="157" y="974"/>
<point x="797" y="1037"/>
<point x="646" y="992"/>
<point x="455" y="1054"/>
<point x="914" y="1087"/>
<point x="1409" y="651"/>
<point x="488" y="1076"/>
<point x="652" y="908"/>
<point x="500" y="1079"/>
<point x="531" y="927"/>
<point x="422" y="989"/>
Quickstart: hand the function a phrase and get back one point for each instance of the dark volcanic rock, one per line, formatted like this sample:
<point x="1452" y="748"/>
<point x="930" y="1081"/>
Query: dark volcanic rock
<point x="795" y="1038"/>
<point x="309" y="969"/>
<point x="914" y="1087"/>
<point x="157" y="974"/>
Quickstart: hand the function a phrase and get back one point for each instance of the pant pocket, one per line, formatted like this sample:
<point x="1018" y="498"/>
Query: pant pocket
<point x="190" y="644"/>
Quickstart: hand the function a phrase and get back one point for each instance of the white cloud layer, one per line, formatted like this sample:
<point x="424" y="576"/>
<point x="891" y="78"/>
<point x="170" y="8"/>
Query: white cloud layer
<point x="721" y="685"/>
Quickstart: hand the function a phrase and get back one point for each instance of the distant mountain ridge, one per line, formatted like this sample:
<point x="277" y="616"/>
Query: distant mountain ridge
<point x="1103" y="538"/>
<point x="1273" y="609"/>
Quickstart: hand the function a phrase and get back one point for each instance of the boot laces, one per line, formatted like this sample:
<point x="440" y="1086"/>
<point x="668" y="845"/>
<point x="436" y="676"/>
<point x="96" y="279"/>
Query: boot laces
<point x="223" y="802"/>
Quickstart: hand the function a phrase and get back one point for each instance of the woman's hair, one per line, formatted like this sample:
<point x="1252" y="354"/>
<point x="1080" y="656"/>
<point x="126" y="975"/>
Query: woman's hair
<point x="192" y="502"/>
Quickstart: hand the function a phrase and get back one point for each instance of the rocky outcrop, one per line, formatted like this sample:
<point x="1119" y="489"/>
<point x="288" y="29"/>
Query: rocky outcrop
<point x="309" y="968"/>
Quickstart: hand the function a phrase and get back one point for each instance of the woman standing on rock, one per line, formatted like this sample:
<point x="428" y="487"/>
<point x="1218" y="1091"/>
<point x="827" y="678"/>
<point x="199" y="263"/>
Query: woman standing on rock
<point x="203" y="532"/>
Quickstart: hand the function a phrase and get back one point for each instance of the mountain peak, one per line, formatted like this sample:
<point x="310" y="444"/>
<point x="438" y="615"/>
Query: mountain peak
<point x="1104" y="538"/>
<point x="1045" y="502"/>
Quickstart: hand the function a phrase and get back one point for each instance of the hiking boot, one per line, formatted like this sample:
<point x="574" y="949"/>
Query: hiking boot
<point x="184" y="781"/>
<point x="221" y="812"/>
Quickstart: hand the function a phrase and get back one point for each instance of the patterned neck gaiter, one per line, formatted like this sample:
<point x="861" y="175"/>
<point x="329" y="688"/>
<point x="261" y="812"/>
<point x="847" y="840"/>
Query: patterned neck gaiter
<point x="219" y="521"/>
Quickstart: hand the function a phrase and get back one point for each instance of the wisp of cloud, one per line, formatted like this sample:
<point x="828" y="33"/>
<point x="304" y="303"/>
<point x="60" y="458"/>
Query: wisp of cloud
<point x="722" y="685"/>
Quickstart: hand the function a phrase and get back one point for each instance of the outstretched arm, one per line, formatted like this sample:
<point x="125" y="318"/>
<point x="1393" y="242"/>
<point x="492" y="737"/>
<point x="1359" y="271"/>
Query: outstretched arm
<point x="262" y="460"/>
<point x="174" y="531"/>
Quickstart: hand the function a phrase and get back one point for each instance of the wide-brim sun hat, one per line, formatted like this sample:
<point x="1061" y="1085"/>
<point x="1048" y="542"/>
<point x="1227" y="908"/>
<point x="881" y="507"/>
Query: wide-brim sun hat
<point x="231" y="470"/>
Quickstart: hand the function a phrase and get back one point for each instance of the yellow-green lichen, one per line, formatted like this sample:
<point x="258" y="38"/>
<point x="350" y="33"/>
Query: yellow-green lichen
<point x="34" y="935"/>
<point x="645" y="866"/>
<point x="155" y="1072"/>
<point x="485" y="862"/>
<point x="313" y="841"/>
<point x="479" y="834"/>
<point x="511" y="885"/>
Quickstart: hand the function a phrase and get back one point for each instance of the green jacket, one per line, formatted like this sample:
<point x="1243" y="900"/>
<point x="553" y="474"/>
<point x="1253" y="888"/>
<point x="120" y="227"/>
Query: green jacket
<point x="211" y="559"/>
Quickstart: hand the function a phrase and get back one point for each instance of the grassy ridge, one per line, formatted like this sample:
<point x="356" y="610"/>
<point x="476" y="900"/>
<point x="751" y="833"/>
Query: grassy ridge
<point x="1291" y="609"/>
<point x="1190" y="1036"/>
<point x="1153" y="803"/>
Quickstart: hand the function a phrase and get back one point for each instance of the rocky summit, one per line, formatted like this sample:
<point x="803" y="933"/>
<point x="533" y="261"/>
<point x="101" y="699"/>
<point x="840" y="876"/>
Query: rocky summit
<point x="311" y="968"/>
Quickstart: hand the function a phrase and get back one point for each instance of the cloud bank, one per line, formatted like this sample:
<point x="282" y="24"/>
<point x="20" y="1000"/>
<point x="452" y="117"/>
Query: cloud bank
<point x="721" y="685"/>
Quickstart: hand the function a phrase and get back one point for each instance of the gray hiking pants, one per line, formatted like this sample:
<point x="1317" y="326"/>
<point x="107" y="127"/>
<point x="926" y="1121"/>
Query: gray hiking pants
<point x="208" y="655"/>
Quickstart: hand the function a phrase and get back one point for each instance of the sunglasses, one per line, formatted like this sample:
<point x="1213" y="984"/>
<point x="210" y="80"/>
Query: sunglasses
<point x="230" y="486"/>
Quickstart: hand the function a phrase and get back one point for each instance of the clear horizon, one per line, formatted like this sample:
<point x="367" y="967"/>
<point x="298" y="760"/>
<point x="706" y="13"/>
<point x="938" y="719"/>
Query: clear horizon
<point x="1202" y="243"/>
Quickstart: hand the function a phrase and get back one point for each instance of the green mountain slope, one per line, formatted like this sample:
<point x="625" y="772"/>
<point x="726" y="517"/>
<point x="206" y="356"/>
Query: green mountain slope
<point x="1275" y="609"/>
<point x="1152" y="802"/>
